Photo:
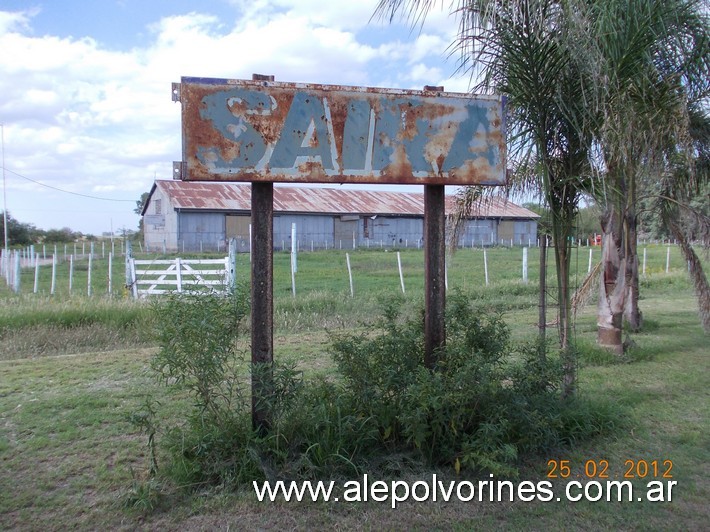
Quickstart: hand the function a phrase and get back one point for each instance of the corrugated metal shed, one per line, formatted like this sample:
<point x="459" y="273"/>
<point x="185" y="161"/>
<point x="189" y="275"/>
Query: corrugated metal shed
<point x="232" y="197"/>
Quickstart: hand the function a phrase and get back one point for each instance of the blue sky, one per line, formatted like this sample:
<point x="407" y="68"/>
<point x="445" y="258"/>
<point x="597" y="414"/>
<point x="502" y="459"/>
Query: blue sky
<point x="85" y="85"/>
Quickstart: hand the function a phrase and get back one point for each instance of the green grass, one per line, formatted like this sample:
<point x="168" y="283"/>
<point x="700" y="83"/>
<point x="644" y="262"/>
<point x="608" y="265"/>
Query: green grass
<point x="32" y="325"/>
<point x="69" y="457"/>
<point x="373" y="270"/>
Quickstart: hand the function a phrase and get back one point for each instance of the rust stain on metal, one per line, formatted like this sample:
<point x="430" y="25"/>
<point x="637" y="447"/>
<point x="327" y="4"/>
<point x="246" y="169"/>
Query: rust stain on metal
<point x="238" y="130"/>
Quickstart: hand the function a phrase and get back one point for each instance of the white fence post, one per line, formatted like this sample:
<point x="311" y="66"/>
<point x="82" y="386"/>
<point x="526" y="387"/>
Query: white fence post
<point x="401" y="277"/>
<point x="231" y="265"/>
<point x="17" y="273"/>
<point x="446" y="273"/>
<point x="36" y="287"/>
<point x="129" y="276"/>
<point x="178" y="272"/>
<point x="350" y="274"/>
<point x="294" y="252"/>
<point x="88" y="277"/>
<point x="525" y="265"/>
<point x="54" y="276"/>
<point x="485" y="265"/>
<point x="71" y="272"/>
<point x="132" y="282"/>
<point x="293" y="274"/>
<point x="110" y="272"/>
<point x="589" y="266"/>
<point x="644" y="263"/>
<point x="668" y="258"/>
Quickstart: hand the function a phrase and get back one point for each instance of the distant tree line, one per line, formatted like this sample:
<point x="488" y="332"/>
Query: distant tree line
<point x="651" y="225"/>
<point x="25" y="234"/>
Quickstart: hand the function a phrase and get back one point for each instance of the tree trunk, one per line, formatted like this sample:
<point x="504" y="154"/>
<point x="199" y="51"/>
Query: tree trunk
<point x="632" y="313"/>
<point x="562" y="262"/>
<point x="612" y="285"/>
<point x="700" y="281"/>
<point x="542" y="303"/>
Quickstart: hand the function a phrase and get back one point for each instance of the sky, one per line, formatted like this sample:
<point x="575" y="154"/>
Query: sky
<point x="85" y="85"/>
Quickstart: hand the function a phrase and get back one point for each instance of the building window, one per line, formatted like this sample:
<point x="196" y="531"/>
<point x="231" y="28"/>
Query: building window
<point x="158" y="206"/>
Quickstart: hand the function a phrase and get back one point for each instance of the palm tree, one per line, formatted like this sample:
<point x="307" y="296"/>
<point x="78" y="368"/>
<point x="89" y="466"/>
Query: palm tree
<point x="642" y="59"/>
<point x="521" y="49"/>
<point x="678" y="187"/>
<point x="597" y="92"/>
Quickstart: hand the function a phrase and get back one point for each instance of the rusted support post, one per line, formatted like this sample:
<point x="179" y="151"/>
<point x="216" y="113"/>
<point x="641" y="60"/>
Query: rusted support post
<point x="434" y="272"/>
<point x="262" y="304"/>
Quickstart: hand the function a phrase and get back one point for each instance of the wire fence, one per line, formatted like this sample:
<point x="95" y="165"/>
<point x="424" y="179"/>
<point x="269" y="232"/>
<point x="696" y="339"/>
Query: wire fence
<point x="101" y="272"/>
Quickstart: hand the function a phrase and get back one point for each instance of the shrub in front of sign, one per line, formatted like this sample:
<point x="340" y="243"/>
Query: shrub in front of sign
<point x="484" y="405"/>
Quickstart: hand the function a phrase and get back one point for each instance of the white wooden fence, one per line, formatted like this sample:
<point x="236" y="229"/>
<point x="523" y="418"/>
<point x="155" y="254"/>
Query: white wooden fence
<point x="153" y="277"/>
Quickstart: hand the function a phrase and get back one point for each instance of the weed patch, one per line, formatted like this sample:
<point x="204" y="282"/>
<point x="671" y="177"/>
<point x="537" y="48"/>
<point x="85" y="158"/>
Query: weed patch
<point x="484" y="405"/>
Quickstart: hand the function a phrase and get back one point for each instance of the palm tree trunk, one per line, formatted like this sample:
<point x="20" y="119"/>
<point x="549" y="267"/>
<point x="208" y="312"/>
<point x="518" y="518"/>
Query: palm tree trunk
<point x="561" y="230"/>
<point x="542" y="302"/>
<point x="612" y="285"/>
<point x="696" y="272"/>
<point x="632" y="313"/>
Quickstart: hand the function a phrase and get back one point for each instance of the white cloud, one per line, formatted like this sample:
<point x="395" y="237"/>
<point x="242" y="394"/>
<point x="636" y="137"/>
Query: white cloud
<point x="16" y="21"/>
<point x="332" y="14"/>
<point x="425" y="75"/>
<point x="82" y="117"/>
<point x="427" y="45"/>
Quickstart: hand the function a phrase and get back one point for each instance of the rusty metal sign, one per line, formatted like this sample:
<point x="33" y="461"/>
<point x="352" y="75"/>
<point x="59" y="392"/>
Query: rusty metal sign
<point x="238" y="130"/>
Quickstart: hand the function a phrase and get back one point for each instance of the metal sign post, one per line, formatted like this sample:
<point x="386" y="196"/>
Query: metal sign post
<point x="261" y="131"/>
<point x="434" y="272"/>
<point x="262" y="302"/>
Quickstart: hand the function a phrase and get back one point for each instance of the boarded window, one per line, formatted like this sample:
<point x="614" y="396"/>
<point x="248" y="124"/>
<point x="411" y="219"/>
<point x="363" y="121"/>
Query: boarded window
<point x="158" y="206"/>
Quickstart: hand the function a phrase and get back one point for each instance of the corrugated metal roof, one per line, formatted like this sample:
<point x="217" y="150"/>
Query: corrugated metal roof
<point x="221" y="196"/>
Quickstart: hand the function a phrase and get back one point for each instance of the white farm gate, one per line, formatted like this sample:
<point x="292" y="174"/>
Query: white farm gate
<point x="162" y="276"/>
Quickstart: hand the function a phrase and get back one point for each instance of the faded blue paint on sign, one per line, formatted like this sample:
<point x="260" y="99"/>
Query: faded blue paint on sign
<point x="257" y="131"/>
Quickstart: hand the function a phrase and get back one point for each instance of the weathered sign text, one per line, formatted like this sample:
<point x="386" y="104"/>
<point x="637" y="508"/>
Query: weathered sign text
<point x="265" y="131"/>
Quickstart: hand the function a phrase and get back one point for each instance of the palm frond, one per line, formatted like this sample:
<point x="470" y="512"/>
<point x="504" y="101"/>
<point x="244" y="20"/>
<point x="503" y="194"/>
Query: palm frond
<point x="589" y="285"/>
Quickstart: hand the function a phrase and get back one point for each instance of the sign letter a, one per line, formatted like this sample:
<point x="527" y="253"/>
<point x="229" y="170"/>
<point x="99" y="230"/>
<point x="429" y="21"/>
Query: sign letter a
<point x="305" y="135"/>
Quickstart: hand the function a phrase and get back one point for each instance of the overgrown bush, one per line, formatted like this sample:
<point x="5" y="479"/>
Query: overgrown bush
<point x="201" y="354"/>
<point x="482" y="407"/>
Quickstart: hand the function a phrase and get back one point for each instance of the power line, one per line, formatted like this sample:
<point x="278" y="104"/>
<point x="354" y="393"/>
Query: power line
<point x="66" y="191"/>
